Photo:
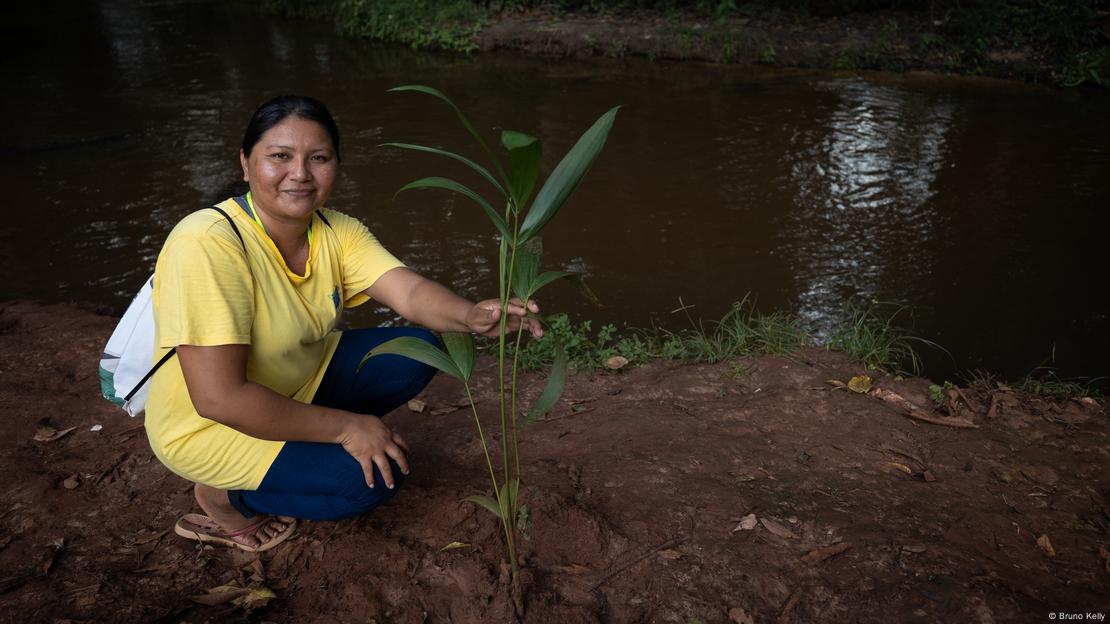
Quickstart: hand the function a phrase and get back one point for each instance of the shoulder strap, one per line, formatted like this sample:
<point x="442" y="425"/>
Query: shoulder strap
<point x="165" y="358"/>
<point x="232" y="224"/>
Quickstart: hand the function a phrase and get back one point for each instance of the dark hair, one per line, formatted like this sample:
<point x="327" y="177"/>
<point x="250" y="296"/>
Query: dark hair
<point x="278" y="109"/>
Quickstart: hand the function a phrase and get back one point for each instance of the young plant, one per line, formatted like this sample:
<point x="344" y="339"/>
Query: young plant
<point x="519" y="226"/>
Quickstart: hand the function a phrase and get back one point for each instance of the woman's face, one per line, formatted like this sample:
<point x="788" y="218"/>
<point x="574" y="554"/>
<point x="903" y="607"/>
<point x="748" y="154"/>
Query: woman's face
<point x="291" y="170"/>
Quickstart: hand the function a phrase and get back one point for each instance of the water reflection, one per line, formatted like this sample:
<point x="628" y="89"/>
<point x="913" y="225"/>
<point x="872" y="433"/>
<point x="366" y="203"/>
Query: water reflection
<point x="864" y="175"/>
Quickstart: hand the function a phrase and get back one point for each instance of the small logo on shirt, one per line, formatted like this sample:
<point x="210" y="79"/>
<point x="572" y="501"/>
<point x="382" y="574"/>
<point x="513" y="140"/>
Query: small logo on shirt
<point x="335" y="297"/>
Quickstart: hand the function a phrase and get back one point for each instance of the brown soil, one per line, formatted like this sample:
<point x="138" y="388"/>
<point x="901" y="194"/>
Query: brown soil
<point x="635" y="486"/>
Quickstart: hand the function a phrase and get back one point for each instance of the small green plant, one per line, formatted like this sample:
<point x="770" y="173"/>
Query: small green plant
<point x="768" y="55"/>
<point x="868" y="333"/>
<point x="1045" y="382"/>
<point x="978" y="378"/>
<point x="518" y="224"/>
<point x="937" y="393"/>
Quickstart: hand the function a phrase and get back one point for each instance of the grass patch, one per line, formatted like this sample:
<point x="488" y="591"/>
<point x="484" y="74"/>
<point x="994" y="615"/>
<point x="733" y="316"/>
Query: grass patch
<point x="868" y="332"/>
<point x="742" y="331"/>
<point x="1045" y="382"/>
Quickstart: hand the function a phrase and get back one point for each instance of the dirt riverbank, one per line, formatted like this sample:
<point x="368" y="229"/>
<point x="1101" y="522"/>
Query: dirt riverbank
<point x="890" y="40"/>
<point x="640" y="486"/>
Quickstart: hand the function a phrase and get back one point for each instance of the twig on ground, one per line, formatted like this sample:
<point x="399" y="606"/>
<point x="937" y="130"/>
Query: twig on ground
<point x="912" y="411"/>
<point x="115" y="464"/>
<point x="920" y="462"/>
<point x="992" y="411"/>
<point x="128" y="432"/>
<point x="671" y="543"/>
<point x="784" y="615"/>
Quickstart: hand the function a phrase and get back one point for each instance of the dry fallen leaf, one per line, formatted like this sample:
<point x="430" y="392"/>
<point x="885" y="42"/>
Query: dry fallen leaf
<point x="821" y="554"/>
<point x="220" y="595"/>
<point x="454" y="545"/>
<point x="747" y="523"/>
<point x="777" y="529"/>
<point x="929" y="476"/>
<point x="46" y="433"/>
<point x="904" y="468"/>
<point x="860" y="384"/>
<point x="55" y="547"/>
<point x="1106" y="557"/>
<point x="416" y="405"/>
<point x="258" y="574"/>
<point x="255" y="599"/>
<point x="736" y="615"/>
<point x="71" y="482"/>
<point x="913" y="548"/>
<point x="836" y="383"/>
<point x="616" y="362"/>
<point x="670" y="554"/>
<point x="1046" y="545"/>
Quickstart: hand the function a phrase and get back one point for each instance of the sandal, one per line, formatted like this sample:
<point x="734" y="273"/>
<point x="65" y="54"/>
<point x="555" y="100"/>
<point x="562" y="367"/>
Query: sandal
<point x="205" y="530"/>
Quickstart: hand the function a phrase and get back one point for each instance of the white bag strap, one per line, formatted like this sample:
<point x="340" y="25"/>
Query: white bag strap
<point x="171" y="352"/>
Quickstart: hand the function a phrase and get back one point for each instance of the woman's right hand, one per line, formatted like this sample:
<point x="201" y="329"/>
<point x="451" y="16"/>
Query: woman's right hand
<point x="372" y="443"/>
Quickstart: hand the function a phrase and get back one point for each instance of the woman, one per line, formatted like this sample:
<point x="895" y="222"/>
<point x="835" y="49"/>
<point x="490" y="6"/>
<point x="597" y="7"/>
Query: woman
<point x="265" y="408"/>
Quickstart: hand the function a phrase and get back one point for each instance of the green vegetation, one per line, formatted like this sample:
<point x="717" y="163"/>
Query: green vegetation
<point x="519" y="225"/>
<point x="741" y="332"/>
<point x="450" y="25"/>
<point x="937" y="392"/>
<point x="1045" y="382"/>
<point x="1066" y="42"/>
<point x="1042" y="381"/>
<point x="868" y="333"/>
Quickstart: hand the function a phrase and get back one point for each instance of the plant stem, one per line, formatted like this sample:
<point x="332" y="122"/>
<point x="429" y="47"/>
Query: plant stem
<point x="516" y="443"/>
<point x="506" y="524"/>
<point x="485" y="447"/>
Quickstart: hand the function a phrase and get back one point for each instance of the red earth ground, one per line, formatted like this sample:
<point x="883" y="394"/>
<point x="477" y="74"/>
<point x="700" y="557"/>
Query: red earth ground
<point x="637" y="486"/>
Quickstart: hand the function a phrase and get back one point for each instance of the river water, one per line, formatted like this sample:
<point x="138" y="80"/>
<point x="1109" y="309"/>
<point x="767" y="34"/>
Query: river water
<point x="983" y="205"/>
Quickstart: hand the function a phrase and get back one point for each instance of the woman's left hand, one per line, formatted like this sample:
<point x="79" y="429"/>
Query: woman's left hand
<point x="484" y="318"/>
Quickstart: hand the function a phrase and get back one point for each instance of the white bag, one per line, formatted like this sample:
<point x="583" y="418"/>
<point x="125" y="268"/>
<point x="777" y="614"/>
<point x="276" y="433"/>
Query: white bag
<point x="125" y="365"/>
<point x="126" y="362"/>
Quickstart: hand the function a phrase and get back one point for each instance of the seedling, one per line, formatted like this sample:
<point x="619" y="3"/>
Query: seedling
<point x="518" y="274"/>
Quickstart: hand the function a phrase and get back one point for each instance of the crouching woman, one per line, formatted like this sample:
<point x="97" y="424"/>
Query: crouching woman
<point x="265" y="407"/>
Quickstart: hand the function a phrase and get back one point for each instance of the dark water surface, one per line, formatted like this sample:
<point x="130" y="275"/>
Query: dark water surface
<point x="983" y="205"/>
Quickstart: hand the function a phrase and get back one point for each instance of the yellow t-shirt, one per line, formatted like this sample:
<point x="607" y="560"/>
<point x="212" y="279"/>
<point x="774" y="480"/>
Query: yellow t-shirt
<point x="209" y="291"/>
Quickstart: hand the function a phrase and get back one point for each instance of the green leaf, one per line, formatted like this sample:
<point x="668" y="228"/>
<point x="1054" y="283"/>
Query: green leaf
<point x="482" y="171"/>
<point x="524" y="164"/>
<point x="546" y="278"/>
<point x="526" y="262"/>
<point x="567" y="174"/>
<point x="460" y="346"/>
<point x="419" y="350"/>
<point x="554" y="386"/>
<point x="484" y="501"/>
<point x="506" y="504"/>
<point x="465" y="122"/>
<point x="451" y="185"/>
<point x="454" y="545"/>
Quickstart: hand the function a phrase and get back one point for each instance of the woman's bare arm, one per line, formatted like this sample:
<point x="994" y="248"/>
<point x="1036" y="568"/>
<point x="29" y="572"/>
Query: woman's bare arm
<point x="218" y="386"/>
<point x="424" y="302"/>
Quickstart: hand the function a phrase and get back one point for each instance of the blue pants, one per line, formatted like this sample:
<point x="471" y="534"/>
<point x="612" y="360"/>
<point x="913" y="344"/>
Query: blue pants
<point x="317" y="481"/>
